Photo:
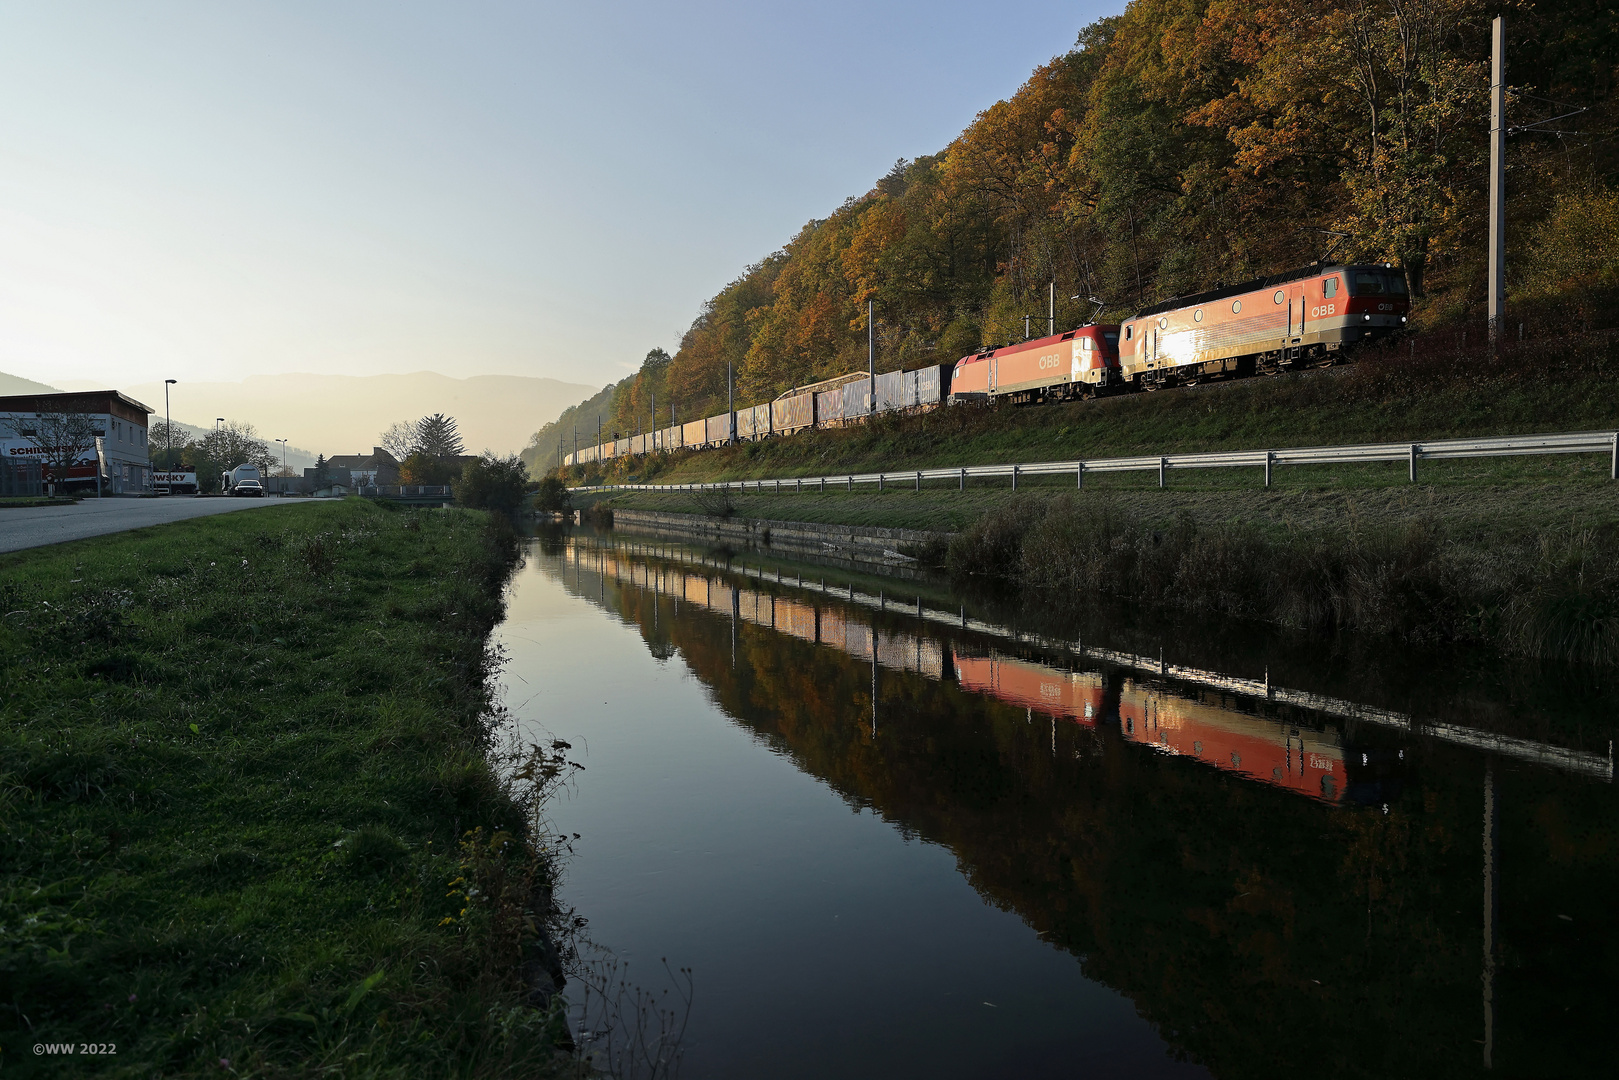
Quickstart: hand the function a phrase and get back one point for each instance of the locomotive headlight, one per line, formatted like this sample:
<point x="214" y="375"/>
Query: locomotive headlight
<point x="1368" y="318"/>
<point x="1402" y="318"/>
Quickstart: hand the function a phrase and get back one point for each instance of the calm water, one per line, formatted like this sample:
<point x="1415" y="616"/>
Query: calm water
<point x="899" y="837"/>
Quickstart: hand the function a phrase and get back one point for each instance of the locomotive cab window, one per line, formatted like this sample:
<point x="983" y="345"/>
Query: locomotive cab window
<point x="1377" y="283"/>
<point x="1085" y="344"/>
<point x="1112" y="340"/>
<point x="1129" y="332"/>
<point x="1329" y="288"/>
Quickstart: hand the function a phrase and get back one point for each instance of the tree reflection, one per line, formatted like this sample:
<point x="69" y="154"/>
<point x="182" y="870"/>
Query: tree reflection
<point x="1280" y="896"/>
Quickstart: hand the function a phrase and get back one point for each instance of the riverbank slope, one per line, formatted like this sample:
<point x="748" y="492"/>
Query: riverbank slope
<point x="250" y="817"/>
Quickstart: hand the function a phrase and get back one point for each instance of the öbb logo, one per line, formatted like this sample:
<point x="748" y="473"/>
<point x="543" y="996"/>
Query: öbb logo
<point x="1324" y="309"/>
<point x="1050" y="361"/>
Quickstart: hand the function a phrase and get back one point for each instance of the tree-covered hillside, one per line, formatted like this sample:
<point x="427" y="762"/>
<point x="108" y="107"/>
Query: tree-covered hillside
<point x="540" y="455"/>
<point x="1186" y="143"/>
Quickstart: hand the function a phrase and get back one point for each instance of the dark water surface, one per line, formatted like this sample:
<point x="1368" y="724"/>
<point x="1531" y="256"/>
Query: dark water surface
<point x="940" y="844"/>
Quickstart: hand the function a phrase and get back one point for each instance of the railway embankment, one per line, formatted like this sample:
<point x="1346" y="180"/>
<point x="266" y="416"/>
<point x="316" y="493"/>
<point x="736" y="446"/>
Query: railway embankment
<point x="250" y="817"/>
<point x="1430" y="388"/>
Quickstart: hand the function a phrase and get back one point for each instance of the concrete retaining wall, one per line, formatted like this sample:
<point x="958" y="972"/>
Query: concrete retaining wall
<point x="864" y="543"/>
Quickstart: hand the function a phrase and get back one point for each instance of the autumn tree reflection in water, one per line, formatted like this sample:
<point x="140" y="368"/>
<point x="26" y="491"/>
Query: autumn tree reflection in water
<point x="1279" y="893"/>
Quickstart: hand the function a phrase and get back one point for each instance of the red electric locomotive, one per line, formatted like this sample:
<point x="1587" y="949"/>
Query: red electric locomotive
<point x="1305" y="316"/>
<point x="1079" y="363"/>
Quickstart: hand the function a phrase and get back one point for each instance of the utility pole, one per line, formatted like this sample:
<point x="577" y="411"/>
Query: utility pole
<point x="576" y="440"/>
<point x="168" y="428"/>
<point x="730" y="405"/>
<point x="1051" y="308"/>
<point x="871" y="355"/>
<point x="598" y="437"/>
<point x="654" y="394"/>
<point x="1498" y="176"/>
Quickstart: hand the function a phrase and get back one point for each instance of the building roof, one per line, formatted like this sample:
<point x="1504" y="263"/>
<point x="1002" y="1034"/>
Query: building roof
<point x="377" y="458"/>
<point x="89" y="401"/>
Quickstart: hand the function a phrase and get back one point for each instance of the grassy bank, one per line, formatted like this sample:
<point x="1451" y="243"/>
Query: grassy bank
<point x="250" y="821"/>
<point x="1569" y="384"/>
<point x="1545" y="588"/>
<point x="1524" y="560"/>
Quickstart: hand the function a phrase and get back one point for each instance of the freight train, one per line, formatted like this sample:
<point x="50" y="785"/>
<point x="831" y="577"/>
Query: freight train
<point x="1300" y="318"/>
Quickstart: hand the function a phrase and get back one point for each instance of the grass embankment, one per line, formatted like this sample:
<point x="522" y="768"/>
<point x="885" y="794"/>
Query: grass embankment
<point x="1566" y="385"/>
<point x="250" y="821"/>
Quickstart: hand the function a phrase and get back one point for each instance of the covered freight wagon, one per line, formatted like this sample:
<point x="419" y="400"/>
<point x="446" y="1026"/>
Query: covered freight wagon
<point x="694" y="433"/>
<point x="790" y="414"/>
<point x="932" y="384"/>
<point x="857" y="400"/>
<point x="829" y="407"/>
<point x="719" y="429"/>
<point x="890" y="389"/>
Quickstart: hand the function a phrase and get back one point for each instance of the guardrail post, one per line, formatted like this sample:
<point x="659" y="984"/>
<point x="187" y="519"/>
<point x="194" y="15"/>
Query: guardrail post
<point x="823" y="485"/>
<point x="919" y="481"/>
<point x="879" y="481"/>
<point x="963" y="479"/>
<point x="1079" y="476"/>
<point x="1014" y="477"/>
<point x="1413" y="463"/>
<point x="1163" y="465"/>
<point x="851" y="481"/>
<point x="1270" y="456"/>
<point x="798" y="486"/>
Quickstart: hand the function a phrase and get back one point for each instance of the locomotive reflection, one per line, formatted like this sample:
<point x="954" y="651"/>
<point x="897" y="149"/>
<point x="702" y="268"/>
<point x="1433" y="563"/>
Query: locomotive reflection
<point x="1211" y="728"/>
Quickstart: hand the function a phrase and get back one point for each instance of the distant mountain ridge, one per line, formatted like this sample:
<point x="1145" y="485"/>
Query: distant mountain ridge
<point x="345" y="414"/>
<point x="16" y="384"/>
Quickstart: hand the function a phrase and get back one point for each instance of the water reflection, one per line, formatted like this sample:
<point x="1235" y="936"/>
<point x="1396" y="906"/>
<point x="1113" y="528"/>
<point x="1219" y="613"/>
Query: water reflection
<point x="1283" y="881"/>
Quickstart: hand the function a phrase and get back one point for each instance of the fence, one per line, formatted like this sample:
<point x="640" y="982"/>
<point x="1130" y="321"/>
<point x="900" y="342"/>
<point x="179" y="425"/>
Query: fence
<point x="1584" y="442"/>
<point x="21" y="478"/>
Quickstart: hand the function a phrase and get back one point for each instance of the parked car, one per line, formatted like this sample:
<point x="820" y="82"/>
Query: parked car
<point x="248" y="487"/>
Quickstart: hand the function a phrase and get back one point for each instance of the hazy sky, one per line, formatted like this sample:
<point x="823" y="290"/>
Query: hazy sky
<point x="210" y="190"/>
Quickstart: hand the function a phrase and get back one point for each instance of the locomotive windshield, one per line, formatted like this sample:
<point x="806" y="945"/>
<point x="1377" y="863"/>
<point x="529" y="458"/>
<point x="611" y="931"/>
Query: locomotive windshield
<point x="1377" y="283"/>
<point x="1112" y="340"/>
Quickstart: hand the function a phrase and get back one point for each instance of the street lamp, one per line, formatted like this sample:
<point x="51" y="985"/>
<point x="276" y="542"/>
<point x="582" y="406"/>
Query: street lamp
<point x="217" y="421"/>
<point x="284" y="473"/>
<point x="168" y="426"/>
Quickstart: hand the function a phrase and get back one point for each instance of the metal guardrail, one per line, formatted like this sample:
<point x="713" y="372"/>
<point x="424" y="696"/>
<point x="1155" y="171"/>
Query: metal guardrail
<point x="1583" y="442"/>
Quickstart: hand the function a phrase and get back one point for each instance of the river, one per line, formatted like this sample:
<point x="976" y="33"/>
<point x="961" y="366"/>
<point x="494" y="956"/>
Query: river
<point x="894" y="833"/>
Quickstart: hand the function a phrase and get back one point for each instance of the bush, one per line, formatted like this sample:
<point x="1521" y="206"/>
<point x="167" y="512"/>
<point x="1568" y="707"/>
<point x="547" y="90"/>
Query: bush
<point x="493" y="483"/>
<point x="552" y="496"/>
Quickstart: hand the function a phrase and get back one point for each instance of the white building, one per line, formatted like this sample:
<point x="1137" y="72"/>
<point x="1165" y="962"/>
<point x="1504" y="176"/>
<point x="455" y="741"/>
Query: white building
<point x="119" y="423"/>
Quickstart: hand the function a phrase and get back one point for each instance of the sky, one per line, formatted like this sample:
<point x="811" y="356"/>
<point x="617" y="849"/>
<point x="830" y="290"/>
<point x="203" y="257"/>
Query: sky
<point x="210" y="191"/>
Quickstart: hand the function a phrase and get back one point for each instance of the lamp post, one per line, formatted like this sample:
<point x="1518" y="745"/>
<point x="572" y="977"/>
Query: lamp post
<point x="283" y="443"/>
<point x="168" y="427"/>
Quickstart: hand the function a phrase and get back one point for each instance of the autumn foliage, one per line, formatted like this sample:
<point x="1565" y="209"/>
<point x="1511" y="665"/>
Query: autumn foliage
<point x="1184" y="144"/>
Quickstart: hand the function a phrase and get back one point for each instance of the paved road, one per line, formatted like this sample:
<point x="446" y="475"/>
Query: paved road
<point x="36" y="526"/>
